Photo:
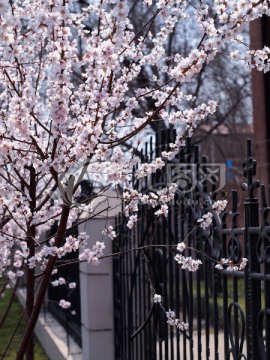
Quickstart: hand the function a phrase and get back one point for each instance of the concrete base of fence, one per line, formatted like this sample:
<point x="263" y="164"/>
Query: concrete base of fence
<point x="53" y="337"/>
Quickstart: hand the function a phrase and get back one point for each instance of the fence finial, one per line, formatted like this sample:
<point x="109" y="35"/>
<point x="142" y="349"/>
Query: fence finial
<point x="249" y="170"/>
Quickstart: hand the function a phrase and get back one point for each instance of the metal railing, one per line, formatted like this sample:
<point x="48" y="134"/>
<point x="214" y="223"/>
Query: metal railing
<point x="228" y="311"/>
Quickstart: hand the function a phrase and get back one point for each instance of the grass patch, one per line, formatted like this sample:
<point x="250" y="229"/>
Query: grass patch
<point x="240" y="285"/>
<point x="10" y="324"/>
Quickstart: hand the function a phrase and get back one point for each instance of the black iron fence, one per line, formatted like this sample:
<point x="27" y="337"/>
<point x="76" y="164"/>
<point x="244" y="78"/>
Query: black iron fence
<point x="228" y="311"/>
<point x="70" y="319"/>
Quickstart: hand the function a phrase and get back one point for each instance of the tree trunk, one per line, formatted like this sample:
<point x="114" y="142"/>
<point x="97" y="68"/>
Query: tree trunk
<point x="43" y="286"/>
<point x="30" y="296"/>
<point x="30" y="283"/>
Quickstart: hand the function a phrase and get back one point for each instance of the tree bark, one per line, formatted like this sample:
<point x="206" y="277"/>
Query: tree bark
<point x="30" y="283"/>
<point x="30" y="299"/>
<point x="43" y="286"/>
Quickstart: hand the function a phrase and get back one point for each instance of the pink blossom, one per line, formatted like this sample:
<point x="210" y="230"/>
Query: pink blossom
<point x="64" y="304"/>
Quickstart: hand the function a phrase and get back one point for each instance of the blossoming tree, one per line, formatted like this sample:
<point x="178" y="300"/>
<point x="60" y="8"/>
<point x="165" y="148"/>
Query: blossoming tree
<point x="69" y="101"/>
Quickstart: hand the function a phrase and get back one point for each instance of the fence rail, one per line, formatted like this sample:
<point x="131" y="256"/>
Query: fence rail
<point x="228" y="311"/>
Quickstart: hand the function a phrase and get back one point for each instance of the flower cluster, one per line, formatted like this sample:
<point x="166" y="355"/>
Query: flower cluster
<point x="109" y="232"/>
<point x="64" y="304"/>
<point x="173" y="321"/>
<point x="262" y="59"/>
<point x="132" y="220"/>
<point x="71" y="244"/>
<point x="150" y="168"/>
<point x="219" y="206"/>
<point x="206" y="220"/>
<point x="228" y="265"/>
<point x="60" y="281"/>
<point x="171" y="317"/>
<point x="12" y="275"/>
<point x="92" y="256"/>
<point x="162" y="197"/>
<point x="259" y="59"/>
<point x="188" y="263"/>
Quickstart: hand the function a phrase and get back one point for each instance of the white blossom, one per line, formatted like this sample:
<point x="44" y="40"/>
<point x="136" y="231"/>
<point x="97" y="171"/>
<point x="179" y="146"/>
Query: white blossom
<point x="110" y="232"/>
<point x="181" y="246"/>
<point x="157" y="298"/>
<point x="206" y="220"/>
<point x="162" y="211"/>
<point x="243" y="263"/>
<point x="72" y="285"/>
<point x="219" y="267"/>
<point x="11" y="275"/>
<point x="61" y="281"/>
<point x="219" y="206"/>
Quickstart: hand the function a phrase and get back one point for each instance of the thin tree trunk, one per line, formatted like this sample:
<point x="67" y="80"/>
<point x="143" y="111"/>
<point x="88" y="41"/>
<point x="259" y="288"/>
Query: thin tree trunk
<point x="30" y="283"/>
<point x="43" y="286"/>
<point x="30" y="299"/>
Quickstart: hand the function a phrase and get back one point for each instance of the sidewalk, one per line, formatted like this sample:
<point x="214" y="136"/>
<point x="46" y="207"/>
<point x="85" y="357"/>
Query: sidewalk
<point x="195" y="347"/>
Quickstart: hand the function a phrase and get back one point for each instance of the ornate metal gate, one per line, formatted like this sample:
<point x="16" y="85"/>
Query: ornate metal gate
<point x="228" y="311"/>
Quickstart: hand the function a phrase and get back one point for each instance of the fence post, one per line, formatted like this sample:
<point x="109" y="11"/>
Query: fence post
<point x="96" y="283"/>
<point x="252" y="286"/>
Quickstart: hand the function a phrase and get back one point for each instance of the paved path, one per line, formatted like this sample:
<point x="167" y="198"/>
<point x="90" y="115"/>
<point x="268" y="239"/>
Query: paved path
<point x="212" y="346"/>
<point x="195" y="353"/>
